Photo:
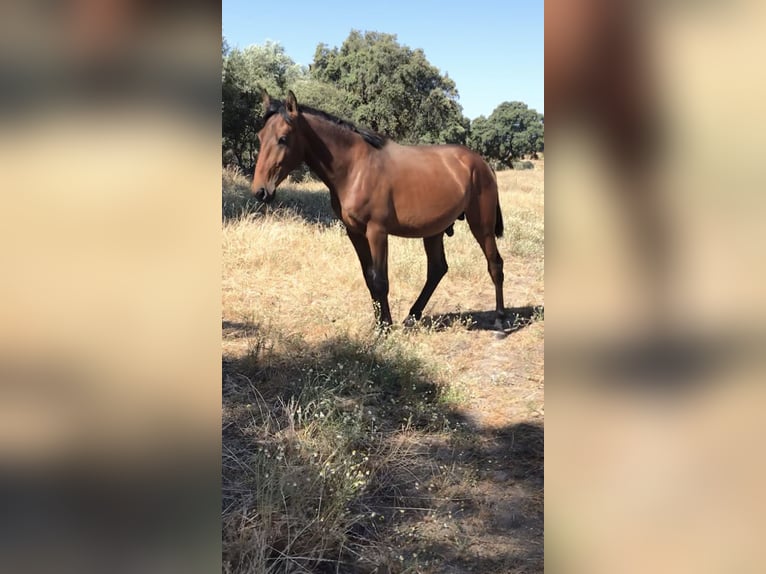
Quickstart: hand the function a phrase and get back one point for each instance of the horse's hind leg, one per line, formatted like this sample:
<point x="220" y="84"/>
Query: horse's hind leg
<point x="483" y="228"/>
<point x="437" y="268"/>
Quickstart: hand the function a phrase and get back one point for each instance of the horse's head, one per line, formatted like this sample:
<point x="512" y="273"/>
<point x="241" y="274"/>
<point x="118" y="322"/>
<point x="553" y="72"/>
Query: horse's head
<point x="281" y="146"/>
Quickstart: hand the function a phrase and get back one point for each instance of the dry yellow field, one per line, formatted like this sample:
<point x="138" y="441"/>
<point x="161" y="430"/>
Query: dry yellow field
<point x="419" y="451"/>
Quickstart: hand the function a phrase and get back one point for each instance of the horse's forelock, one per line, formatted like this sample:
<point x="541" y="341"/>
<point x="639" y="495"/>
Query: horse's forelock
<point x="276" y="107"/>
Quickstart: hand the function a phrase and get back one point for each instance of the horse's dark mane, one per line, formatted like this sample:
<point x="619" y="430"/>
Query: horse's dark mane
<point x="373" y="138"/>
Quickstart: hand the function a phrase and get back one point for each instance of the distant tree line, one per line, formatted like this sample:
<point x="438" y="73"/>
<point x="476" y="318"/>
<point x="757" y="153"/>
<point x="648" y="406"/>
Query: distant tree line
<point x="376" y="82"/>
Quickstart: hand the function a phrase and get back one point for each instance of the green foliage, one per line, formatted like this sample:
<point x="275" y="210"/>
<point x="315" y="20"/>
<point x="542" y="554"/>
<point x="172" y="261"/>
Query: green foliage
<point x="239" y="123"/>
<point x="373" y="80"/>
<point x="267" y="66"/>
<point x="392" y="88"/>
<point x="511" y="131"/>
<point x="324" y="96"/>
<point x="245" y="73"/>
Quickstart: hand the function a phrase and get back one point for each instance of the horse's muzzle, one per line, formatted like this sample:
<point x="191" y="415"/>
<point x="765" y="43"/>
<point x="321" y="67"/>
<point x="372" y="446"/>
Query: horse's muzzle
<point x="265" y="196"/>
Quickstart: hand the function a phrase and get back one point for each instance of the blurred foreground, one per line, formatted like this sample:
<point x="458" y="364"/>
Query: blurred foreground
<point x="109" y="364"/>
<point x="109" y="405"/>
<point x="655" y="293"/>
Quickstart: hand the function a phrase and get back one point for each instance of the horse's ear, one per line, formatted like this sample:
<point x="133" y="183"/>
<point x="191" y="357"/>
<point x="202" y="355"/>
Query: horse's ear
<point x="291" y="104"/>
<point x="266" y="100"/>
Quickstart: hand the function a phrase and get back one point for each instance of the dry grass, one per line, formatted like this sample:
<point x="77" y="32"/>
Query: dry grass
<point x="343" y="450"/>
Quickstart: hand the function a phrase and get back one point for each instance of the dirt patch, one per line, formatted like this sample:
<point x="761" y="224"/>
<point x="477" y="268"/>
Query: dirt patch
<point x="488" y="516"/>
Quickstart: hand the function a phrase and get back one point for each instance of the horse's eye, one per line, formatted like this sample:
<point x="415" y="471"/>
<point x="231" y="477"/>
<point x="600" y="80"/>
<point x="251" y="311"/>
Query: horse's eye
<point x="282" y="140"/>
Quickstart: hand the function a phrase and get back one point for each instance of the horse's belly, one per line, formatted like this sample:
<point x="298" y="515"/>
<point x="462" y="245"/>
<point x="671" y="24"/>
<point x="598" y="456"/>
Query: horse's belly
<point x="418" y="225"/>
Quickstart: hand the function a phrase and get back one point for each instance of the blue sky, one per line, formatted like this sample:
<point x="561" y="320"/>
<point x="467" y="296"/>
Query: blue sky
<point x="492" y="49"/>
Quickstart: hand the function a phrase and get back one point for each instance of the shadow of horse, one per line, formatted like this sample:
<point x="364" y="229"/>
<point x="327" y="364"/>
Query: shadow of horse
<point x="516" y="318"/>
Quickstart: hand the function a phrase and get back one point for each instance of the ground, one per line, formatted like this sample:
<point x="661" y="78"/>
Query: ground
<point x="346" y="451"/>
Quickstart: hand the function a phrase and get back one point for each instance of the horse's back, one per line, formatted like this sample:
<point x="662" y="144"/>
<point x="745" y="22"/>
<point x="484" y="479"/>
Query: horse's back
<point x="428" y="187"/>
<point x="434" y="163"/>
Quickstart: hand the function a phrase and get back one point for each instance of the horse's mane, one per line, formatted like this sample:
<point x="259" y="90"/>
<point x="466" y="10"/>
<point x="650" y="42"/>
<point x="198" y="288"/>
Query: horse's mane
<point x="373" y="138"/>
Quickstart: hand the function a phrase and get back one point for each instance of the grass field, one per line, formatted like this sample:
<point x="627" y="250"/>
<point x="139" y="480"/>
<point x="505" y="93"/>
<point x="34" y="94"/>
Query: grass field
<point x="344" y="451"/>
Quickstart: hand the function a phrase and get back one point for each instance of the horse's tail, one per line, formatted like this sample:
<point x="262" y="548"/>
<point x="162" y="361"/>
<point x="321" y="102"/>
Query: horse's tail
<point x="498" y="214"/>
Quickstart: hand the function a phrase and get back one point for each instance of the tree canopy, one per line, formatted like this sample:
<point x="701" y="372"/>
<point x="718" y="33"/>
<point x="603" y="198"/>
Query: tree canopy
<point x="372" y="80"/>
<point x="245" y="73"/>
<point x="511" y="131"/>
<point x="393" y="89"/>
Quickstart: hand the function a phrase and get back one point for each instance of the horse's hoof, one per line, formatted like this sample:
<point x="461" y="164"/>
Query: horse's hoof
<point x="383" y="328"/>
<point x="411" y="322"/>
<point x="502" y="327"/>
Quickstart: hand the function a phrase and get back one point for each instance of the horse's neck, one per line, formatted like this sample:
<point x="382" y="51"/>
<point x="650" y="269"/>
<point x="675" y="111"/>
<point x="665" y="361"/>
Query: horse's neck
<point x="329" y="153"/>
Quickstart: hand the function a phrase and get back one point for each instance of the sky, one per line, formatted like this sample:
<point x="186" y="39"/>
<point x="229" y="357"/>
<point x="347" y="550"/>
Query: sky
<point x="492" y="49"/>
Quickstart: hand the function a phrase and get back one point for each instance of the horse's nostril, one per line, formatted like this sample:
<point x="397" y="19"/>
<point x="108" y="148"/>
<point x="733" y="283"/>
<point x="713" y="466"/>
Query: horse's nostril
<point x="260" y="194"/>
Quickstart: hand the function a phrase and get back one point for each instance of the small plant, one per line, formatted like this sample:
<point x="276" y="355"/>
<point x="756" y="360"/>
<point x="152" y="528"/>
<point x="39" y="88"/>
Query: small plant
<point x="525" y="164"/>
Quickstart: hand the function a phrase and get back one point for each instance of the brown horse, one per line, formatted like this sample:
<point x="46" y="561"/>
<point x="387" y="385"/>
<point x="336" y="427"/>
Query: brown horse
<point x="380" y="188"/>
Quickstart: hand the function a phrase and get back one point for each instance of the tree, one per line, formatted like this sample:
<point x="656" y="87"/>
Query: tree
<point x="511" y="131"/>
<point x="263" y="66"/>
<point x="324" y="96"/>
<point x="392" y="88"/>
<point x="371" y="79"/>
<point x="245" y="73"/>
<point x="240" y="116"/>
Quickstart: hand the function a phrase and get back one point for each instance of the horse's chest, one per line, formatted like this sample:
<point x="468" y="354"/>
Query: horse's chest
<point x="353" y="221"/>
<point x="354" y="211"/>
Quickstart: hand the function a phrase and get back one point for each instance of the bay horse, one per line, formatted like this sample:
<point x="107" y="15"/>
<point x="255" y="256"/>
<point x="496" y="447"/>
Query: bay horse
<point x="380" y="188"/>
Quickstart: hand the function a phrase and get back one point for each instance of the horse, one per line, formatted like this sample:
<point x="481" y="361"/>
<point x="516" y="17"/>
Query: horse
<point x="380" y="188"/>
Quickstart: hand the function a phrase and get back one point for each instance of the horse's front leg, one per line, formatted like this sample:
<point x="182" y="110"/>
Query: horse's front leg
<point x="377" y="274"/>
<point x="372" y="272"/>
